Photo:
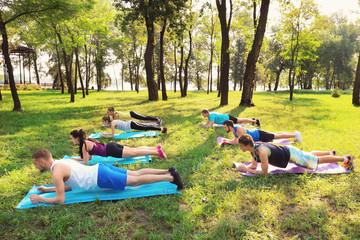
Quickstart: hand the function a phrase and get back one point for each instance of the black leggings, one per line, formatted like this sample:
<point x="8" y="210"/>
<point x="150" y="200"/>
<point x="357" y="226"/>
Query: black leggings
<point x="114" y="150"/>
<point x="142" y="117"/>
<point x="141" y="126"/>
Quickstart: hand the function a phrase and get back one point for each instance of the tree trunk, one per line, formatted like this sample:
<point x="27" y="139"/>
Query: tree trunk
<point x="87" y="71"/>
<point x="98" y="63"/>
<point x="36" y="68"/>
<point x="78" y="67"/>
<point x="5" y="50"/>
<point x="175" y="77"/>
<point x="149" y="57"/>
<point x="29" y="68"/>
<point x="130" y="74"/>
<point x="217" y="81"/>
<point x="161" y="62"/>
<point x="356" y="91"/>
<point x="76" y="71"/>
<point x="249" y="76"/>
<point x="59" y="69"/>
<point x="122" y="77"/>
<point x="180" y="70"/>
<point x="327" y="78"/>
<point x="278" y="78"/>
<point x="67" y="71"/>
<point x="225" y="55"/>
<point x="186" y="67"/>
<point x="20" y="75"/>
<point x="211" y="56"/>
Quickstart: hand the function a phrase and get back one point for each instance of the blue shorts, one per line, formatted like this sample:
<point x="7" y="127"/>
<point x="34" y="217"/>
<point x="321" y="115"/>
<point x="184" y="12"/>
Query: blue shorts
<point x="111" y="177"/>
<point x="303" y="159"/>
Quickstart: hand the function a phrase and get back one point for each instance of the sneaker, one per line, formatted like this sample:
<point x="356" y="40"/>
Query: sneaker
<point x="164" y="130"/>
<point x="349" y="164"/>
<point x="172" y="169"/>
<point x="258" y="123"/>
<point x="159" y="121"/>
<point x="333" y="152"/>
<point x="298" y="136"/>
<point x="159" y="146"/>
<point x="162" y="153"/>
<point x="177" y="179"/>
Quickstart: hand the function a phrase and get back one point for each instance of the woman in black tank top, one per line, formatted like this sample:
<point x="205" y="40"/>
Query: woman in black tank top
<point x="280" y="156"/>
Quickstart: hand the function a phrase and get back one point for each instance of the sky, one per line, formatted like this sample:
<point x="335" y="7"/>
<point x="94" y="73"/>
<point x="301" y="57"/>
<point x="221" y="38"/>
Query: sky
<point x="326" y="7"/>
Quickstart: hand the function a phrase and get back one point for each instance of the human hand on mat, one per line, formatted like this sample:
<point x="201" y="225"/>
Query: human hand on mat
<point x="242" y="168"/>
<point x="42" y="189"/>
<point x="35" y="198"/>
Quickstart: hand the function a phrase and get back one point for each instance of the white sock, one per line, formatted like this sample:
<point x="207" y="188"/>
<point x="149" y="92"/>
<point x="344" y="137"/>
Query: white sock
<point x="331" y="153"/>
<point x="345" y="160"/>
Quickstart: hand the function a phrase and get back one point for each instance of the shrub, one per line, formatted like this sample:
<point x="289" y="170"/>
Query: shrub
<point x="335" y="93"/>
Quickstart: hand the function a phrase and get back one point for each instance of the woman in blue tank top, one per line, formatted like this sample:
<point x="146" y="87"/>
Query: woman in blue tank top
<point x="266" y="153"/>
<point x="89" y="147"/>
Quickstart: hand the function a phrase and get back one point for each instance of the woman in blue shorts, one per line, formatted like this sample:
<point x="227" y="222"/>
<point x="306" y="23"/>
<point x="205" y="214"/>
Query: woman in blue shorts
<point x="89" y="147"/>
<point x="280" y="156"/>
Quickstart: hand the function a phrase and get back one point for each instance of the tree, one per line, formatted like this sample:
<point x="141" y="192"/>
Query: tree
<point x="151" y="11"/>
<point x="249" y="76"/>
<point x="356" y="91"/>
<point x="13" y="10"/>
<point x="225" y="55"/>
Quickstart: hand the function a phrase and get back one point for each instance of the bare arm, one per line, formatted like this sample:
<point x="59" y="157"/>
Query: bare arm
<point x="263" y="155"/>
<point x="253" y="164"/>
<point x="112" y="134"/>
<point x="59" y="173"/>
<point x="86" y="155"/>
<point x="44" y="189"/>
<point x="207" y="124"/>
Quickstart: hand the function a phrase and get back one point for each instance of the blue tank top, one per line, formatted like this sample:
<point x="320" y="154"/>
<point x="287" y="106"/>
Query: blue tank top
<point x="254" y="133"/>
<point x="279" y="155"/>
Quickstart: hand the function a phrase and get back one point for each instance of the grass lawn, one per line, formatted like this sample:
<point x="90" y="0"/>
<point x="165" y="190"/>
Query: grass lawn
<point x="217" y="202"/>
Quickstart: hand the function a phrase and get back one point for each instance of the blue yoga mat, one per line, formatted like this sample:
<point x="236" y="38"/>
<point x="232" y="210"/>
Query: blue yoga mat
<point x="81" y="196"/>
<point x="129" y="135"/>
<point x="112" y="160"/>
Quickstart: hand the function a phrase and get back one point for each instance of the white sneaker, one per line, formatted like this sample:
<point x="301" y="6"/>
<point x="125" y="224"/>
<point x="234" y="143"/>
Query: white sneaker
<point x="298" y="136"/>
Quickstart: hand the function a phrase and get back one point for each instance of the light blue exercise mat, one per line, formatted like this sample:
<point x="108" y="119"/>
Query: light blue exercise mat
<point x="129" y="135"/>
<point x="81" y="196"/>
<point x="112" y="160"/>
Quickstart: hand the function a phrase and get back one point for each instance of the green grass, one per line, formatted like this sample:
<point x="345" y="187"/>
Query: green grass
<point x="217" y="202"/>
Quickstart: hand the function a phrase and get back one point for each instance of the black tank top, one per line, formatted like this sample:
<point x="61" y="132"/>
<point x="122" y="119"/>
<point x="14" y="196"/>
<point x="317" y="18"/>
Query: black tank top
<point x="279" y="156"/>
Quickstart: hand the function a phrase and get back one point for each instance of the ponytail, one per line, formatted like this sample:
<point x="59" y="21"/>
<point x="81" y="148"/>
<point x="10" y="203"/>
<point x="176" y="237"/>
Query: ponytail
<point x="82" y="137"/>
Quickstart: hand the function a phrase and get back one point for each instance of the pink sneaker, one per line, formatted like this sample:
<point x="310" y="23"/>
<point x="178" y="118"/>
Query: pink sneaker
<point x="162" y="153"/>
<point x="159" y="146"/>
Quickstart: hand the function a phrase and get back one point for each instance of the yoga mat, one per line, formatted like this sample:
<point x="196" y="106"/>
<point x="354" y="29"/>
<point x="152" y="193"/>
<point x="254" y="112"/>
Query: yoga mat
<point x="324" y="168"/>
<point x="242" y="125"/>
<point x="112" y="160"/>
<point x="81" y="196"/>
<point x="128" y="135"/>
<point x="146" y="123"/>
<point x="282" y="141"/>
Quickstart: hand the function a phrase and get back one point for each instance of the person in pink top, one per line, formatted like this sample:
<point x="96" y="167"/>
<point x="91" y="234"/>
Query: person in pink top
<point x="68" y="174"/>
<point x="89" y="147"/>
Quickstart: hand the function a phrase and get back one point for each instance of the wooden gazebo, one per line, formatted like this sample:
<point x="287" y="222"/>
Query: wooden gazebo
<point x="22" y="52"/>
